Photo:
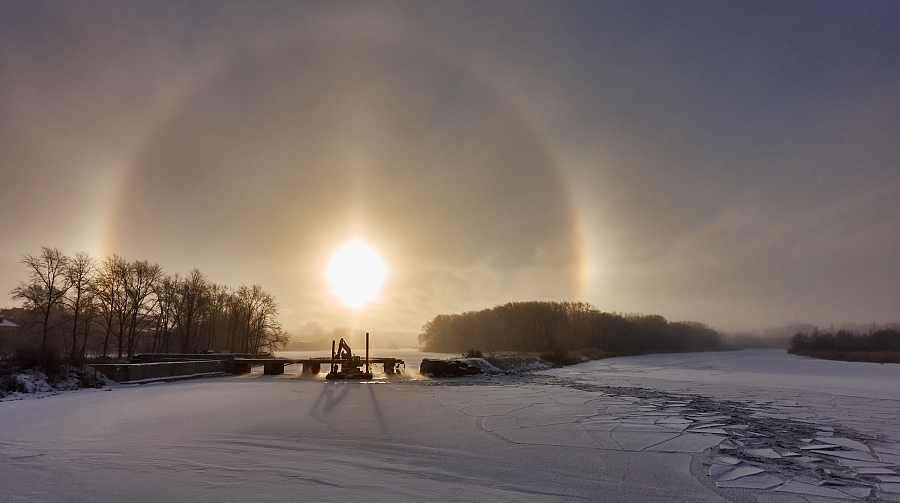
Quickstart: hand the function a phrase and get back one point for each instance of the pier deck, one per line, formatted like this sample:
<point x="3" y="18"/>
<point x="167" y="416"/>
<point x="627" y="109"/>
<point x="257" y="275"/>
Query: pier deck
<point x="241" y="363"/>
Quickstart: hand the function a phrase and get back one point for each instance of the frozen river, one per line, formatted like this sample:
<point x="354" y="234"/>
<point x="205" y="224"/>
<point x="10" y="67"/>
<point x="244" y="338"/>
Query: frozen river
<point x="731" y="426"/>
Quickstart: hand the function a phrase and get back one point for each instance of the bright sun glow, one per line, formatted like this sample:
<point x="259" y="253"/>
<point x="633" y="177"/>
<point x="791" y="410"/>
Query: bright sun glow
<point x="355" y="273"/>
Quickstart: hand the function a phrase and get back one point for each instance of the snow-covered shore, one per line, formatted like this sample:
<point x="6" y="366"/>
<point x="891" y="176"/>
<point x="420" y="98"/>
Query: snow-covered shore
<point x="620" y="429"/>
<point x="33" y="383"/>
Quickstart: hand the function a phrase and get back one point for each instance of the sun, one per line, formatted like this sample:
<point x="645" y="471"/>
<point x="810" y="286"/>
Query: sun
<point x="355" y="273"/>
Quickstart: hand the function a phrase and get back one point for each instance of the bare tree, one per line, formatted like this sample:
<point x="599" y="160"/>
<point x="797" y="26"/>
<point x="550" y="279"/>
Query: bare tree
<point x="79" y="274"/>
<point x="140" y="284"/>
<point x="131" y="300"/>
<point x="91" y="311"/>
<point x="257" y="312"/>
<point x="165" y="292"/>
<point x="191" y="298"/>
<point x="109" y="288"/>
<point x="46" y="286"/>
<point x="219" y="298"/>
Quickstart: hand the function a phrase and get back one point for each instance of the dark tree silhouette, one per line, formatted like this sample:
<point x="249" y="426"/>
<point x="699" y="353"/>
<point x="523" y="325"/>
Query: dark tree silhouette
<point x="45" y="288"/>
<point x="136" y="306"/>
<point x="881" y="339"/>
<point x="559" y="326"/>
<point x="79" y="273"/>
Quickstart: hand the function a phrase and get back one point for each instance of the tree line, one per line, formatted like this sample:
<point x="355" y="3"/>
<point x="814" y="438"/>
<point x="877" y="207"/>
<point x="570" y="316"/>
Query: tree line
<point x="882" y="339"/>
<point x="120" y="307"/>
<point x="558" y="326"/>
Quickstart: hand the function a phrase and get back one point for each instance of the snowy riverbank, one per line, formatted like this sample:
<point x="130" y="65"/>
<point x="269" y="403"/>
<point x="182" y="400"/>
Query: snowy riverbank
<point x="33" y="383"/>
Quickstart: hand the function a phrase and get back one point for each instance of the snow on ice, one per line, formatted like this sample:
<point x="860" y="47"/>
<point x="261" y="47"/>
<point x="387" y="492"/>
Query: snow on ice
<point x="679" y="427"/>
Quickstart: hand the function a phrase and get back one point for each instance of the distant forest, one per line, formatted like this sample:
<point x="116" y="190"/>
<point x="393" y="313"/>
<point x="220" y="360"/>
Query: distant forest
<point x="884" y="339"/>
<point x="76" y="306"/>
<point x="562" y="326"/>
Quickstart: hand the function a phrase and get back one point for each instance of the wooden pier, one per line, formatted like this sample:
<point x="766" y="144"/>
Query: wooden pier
<point x="241" y="363"/>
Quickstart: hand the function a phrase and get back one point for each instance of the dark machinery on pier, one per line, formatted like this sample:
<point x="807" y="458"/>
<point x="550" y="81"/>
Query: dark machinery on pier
<point x="349" y="363"/>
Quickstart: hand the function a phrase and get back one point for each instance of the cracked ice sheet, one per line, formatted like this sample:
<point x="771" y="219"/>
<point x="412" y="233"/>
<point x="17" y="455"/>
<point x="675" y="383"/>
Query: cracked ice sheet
<point x="558" y="435"/>
<point x="688" y="442"/>
<point x="493" y="409"/>
<point x="811" y="490"/>
<point x="758" y="481"/>
<point x="859" y="395"/>
<point x="573" y="412"/>
<point x="631" y="440"/>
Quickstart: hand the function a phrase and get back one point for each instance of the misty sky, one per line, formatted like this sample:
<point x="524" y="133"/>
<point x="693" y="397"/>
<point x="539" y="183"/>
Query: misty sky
<point x="731" y="163"/>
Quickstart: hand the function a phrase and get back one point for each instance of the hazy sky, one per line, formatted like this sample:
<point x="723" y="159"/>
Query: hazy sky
<point x="735" y="163"/>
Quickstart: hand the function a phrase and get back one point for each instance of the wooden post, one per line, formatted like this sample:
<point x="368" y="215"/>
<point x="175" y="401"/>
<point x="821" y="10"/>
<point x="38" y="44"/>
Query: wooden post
<point x="367" y="352"/>
<point x="332" y="357"/>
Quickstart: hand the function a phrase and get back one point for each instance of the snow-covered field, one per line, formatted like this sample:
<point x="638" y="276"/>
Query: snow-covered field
<point x="743" y="426"/>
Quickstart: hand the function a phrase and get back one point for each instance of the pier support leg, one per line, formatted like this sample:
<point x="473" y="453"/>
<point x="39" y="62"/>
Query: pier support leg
<point x="273" y="368"/>
<point x="238" y="368"/>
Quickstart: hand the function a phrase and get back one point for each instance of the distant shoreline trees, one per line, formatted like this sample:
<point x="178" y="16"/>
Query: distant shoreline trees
<point x="121" y="307"/>
<point x="560" y="326"/>
<point x="882" y="339"/>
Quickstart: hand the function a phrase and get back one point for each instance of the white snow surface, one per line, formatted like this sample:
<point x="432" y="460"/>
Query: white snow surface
<point x="481" y="363"/>
<point x="268" y="438"/>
